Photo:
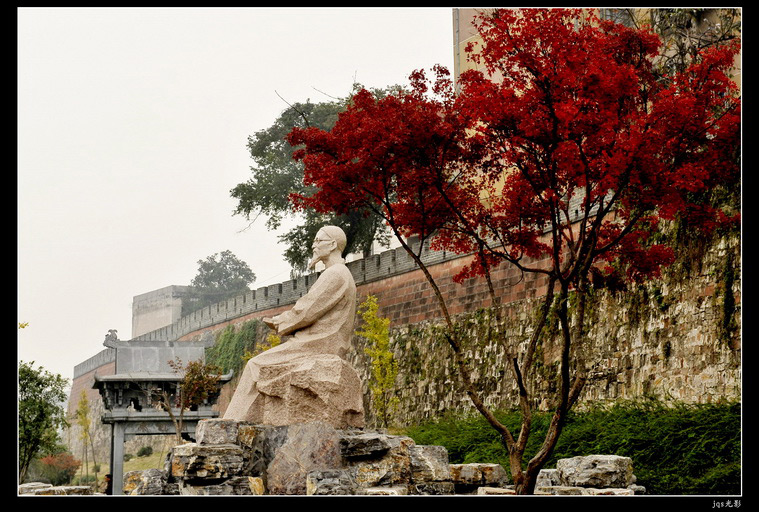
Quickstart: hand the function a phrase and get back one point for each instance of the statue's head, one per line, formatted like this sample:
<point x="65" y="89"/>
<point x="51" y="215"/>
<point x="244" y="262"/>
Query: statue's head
<point x="330" y="242"/>
<point x="334" y="233"/>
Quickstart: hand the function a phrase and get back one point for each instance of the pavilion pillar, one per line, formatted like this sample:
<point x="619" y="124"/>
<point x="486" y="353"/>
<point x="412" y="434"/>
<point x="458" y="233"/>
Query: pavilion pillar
<point x="117" y="456"/>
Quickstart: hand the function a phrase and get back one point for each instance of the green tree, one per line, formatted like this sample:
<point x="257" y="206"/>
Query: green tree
<point x="41" y="395"/>
<point x="220" y="277"/>
<point x="376" y="331"/>
<point x="83" y="419"/>
<point x="275" y="175"/>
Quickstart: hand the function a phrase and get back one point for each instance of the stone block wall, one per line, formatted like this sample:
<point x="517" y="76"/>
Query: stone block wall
<point x="666" y="339"/>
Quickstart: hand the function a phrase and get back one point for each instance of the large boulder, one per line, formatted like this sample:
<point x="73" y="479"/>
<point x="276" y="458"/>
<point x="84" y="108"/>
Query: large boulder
<point x="192" y="461"/>
<point x="596" y="471"/>
<point x="391" y="467"/>
<point x="468" y="478"/>
<point x="333" y="482"/>
<point x="308" y="447"/>
<point x="146" y="482"/>
<point x="430" y="470"/>
<point x="234" y="486"/>
<point x="318" y="388"/>
<point x="308" y="459"/>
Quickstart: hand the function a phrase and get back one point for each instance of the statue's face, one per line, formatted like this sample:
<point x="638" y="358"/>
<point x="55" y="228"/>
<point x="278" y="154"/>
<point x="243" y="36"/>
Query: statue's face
<point x="322" y="247"/>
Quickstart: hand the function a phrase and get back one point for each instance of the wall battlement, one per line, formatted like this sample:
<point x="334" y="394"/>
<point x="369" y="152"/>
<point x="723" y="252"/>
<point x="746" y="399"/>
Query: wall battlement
<point x="102" y="358"/>
<point x="387" y="264"/>
<point x="367" y="270"/>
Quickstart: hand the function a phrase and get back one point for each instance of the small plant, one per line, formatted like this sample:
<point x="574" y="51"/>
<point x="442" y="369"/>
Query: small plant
<point x="85" y="480"/>
<point x="272" y="340"/>
<point x="145" y="451"/>
<point x="376" y="331"/>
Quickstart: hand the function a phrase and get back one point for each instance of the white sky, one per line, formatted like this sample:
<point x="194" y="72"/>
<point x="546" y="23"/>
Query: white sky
<point x="132" y="129"/>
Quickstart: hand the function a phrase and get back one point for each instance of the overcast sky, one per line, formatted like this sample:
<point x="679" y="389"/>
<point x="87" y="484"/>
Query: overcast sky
<point x="132" y="129"/>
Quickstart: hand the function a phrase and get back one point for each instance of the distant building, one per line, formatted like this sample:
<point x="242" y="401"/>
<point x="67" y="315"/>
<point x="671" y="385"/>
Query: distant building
<point x="156" y="309"/>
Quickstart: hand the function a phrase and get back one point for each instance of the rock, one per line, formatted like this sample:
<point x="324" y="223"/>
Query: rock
<point x="31" y="487"/>
<point x="78" y="490"/>
<point x="235" y="486"/>
<point x="191" y="461"/>
<point x="398" y="490"/>
<point x="49" y="491"/>
<point x="637" y="489"/>
<point x="364" y="445"/>
<point x="597" y="471"/>
<point x="434" y="488"/>
<point x="260" y="444"/>
<point x="561" y="490"/>
<point x="145" y="482"/>
<point x="171" y="488"/>
<point x="429" y="464"/>
<point x="321" y="387"/>
<point x="468" y="477"/>
<point x="256" y="484"/>
<point x="548" y="478"/>
<point x="62" y="490"/>
<point x="392" y="468"/>
<point x="608" y="492"/>
<point x="217" y="431"/>
<point x="494" y="490"/>
<point x="332" y="482"/>
<point x="309" y="447"/>
<point x="131" y="481"/>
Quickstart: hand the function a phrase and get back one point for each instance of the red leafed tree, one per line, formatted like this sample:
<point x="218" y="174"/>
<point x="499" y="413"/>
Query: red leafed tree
<point x="573" y="155"/>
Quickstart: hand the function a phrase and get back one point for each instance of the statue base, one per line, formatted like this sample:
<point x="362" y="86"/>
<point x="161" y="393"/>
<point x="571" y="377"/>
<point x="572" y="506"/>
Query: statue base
<point x="314" y="388"/>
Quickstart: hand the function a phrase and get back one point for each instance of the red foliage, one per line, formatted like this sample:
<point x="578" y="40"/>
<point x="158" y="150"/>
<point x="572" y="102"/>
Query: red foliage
<point x="60" y="468"/>
<point x="61" y="461"/>
<point x="575" y="114"/>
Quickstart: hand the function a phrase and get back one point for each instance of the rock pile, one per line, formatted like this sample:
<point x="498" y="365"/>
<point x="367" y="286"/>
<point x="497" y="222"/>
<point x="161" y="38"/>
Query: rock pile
<point x="42" y="489"/>
<point x="590" y="475"/>
<point x="231" y="457"/>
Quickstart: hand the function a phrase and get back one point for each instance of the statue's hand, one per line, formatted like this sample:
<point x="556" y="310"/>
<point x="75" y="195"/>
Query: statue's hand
<point x="271" y="322"/>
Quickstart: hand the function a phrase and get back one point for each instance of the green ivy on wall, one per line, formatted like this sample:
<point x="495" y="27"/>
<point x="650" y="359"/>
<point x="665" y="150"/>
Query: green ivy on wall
<point x="232" y="345"/>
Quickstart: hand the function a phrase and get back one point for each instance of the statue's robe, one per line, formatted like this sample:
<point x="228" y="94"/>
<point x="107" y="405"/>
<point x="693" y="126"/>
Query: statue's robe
<point x="307" y="377"/>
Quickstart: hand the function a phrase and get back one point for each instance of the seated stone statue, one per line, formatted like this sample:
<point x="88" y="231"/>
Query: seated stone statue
<point x="306" y="378"/>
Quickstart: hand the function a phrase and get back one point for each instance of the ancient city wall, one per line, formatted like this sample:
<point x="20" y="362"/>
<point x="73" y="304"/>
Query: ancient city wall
<point x="677" y="337"/>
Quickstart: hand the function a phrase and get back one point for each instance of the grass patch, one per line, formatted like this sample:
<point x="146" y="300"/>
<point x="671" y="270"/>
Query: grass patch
<point x="153" y="461"/>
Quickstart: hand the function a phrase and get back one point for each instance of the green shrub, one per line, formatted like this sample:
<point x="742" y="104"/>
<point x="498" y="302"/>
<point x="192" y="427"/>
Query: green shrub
<point x="84" y="480"/>
<point x="145" y="451"/>
<point x="676" y="448"/>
